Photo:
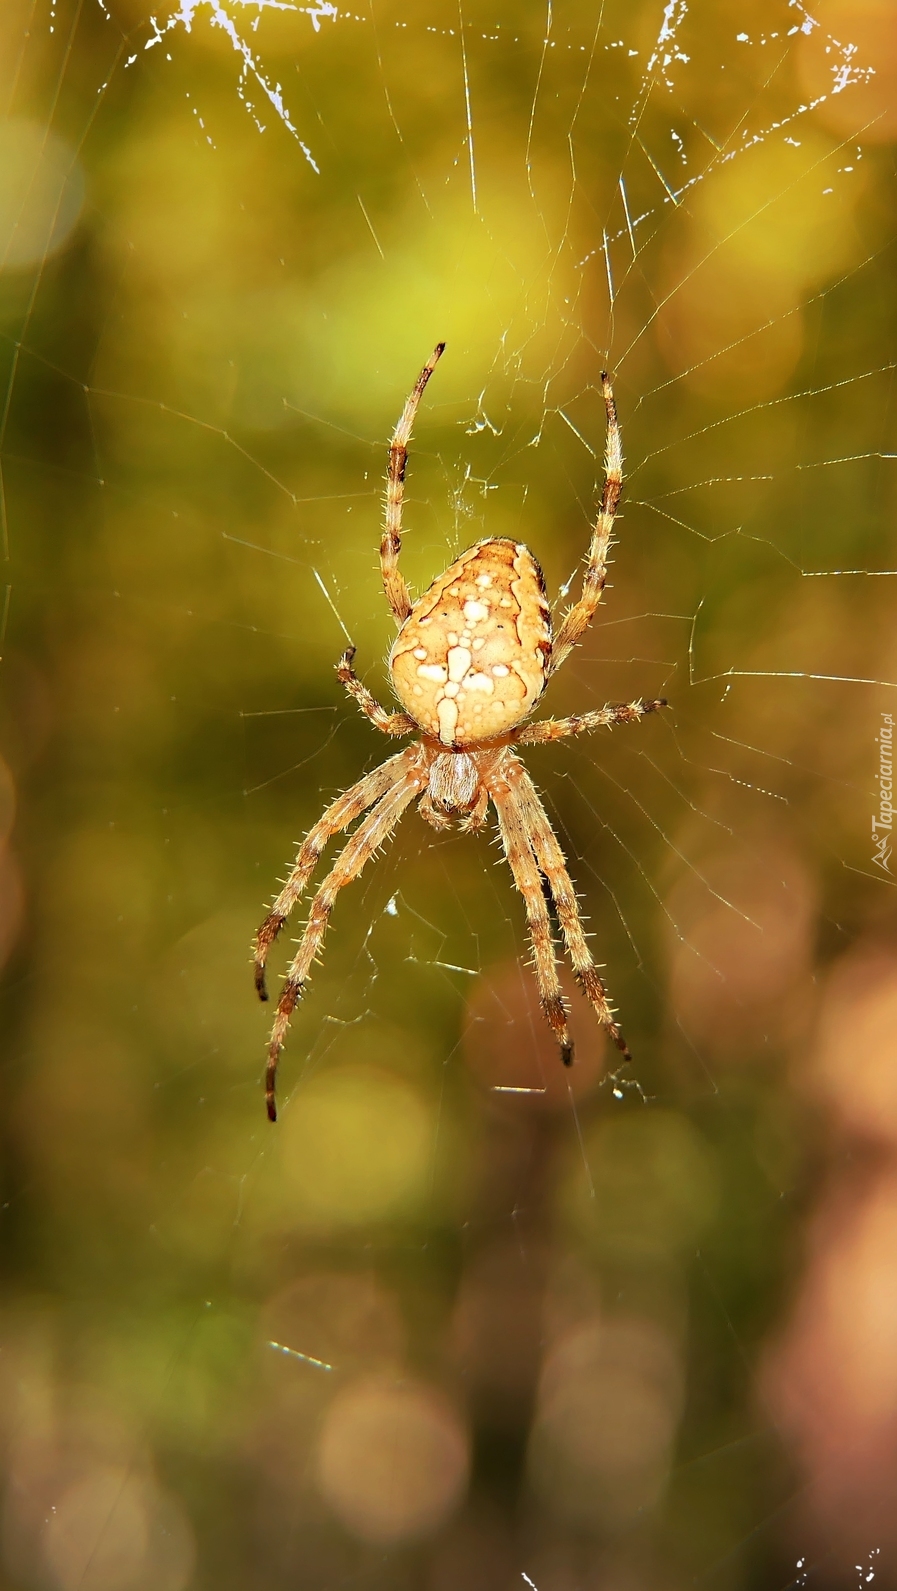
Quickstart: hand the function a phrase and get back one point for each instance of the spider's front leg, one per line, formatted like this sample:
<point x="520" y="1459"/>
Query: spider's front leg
<point x="533" y="818"/>
<point x="338" y="816"/>
<point x="356" y="853"/>
<point x="525" y="871"/>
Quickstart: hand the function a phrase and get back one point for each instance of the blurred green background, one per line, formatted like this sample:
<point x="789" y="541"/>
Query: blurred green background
<point x="458" y="1320"/>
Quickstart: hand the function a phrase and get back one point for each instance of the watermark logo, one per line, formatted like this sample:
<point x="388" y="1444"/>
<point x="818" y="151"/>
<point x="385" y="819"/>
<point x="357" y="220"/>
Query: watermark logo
<point x="882" y="826"/>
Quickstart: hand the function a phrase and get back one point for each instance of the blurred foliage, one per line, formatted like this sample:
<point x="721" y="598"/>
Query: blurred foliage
<point x="427" y="1332"/>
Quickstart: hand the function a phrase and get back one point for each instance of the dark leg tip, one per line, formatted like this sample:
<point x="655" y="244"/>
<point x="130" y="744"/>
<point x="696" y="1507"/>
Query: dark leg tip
<point x="567" y="1054"/>
<point x="261" y="988"/>
<point x="272" y="1108"/>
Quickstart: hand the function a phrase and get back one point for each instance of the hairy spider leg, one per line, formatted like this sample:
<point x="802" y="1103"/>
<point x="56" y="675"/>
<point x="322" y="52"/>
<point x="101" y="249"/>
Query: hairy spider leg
<point x="343" y="811"/>
<point x="525" y="871"/>
<point x="364" y="843"/>
<point x="581" y="723"/>
<point x="577" y="619"/>
<point x="550" y="858"/>
<point x="397" y="594"/>
<point x="388" y="723"/>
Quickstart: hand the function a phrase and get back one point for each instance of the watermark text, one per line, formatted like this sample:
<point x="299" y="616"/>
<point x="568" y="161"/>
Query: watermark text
<point x="882" y="826"/>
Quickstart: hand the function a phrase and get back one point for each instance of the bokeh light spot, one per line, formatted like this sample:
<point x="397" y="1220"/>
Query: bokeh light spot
<point x="854" y="1065"/>
<point x="357" y="1145"/>
<point x="740" y="961"/>
<point x="392" y="1460"/>
<point x="609" y="1401"/>
<point x="41" y="192"/>
<point x="112" y="1531"/>
<point x="653" y="1187"/>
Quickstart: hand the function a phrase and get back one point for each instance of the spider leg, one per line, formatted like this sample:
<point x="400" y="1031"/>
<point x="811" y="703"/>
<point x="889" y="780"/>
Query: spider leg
<point x="534" y="819"/>
<point x="364" y="843"/>
<point x="389" y="723"/>
<point x="605" y="717"/>
<point x="343" y="811"/>
<point x="393" y="580"/>
<point x="578" y="618"/>
<point x="525" y="871"/>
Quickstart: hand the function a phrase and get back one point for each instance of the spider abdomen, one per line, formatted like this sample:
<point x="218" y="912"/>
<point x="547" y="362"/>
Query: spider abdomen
<point x="470" y="661"/>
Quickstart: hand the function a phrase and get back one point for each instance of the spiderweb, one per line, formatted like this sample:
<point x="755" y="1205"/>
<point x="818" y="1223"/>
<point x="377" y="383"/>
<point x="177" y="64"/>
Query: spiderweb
<point x="461" y="1319"/>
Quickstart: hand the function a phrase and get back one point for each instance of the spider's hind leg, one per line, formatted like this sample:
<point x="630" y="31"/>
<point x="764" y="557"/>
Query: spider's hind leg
<point x="577" y="619"/>
<point x="394" y="586"/>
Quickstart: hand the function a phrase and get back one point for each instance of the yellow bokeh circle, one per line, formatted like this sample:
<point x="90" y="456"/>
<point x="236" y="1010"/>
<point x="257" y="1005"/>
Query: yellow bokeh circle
<point x="41" y="192"/>
<point x="357" y="1146"/>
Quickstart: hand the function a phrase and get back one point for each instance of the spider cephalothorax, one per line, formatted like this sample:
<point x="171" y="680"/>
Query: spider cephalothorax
<point x="471" y="660"/>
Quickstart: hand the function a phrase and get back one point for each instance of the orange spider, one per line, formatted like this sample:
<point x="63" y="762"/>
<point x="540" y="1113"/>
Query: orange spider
<point x="471" y="660"/>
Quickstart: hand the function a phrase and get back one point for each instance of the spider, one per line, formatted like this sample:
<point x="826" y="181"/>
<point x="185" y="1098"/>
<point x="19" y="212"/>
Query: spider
<point x="470" y="661"/>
